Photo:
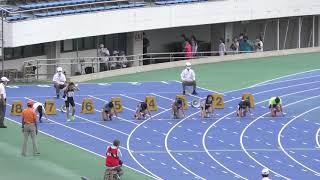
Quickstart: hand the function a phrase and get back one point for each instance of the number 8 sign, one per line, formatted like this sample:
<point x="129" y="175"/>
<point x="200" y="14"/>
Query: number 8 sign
<point x="17" y="108"/>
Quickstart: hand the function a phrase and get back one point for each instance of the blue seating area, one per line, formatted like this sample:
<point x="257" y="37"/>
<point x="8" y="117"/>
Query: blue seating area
<point x="167" y="2"/>
<point x="94" y="9"/>
<point x="56" y="4"/>
<point x="17" y="18"/>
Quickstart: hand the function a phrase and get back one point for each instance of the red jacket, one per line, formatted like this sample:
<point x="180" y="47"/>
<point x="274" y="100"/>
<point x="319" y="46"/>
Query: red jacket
<point x="112" y="158"/>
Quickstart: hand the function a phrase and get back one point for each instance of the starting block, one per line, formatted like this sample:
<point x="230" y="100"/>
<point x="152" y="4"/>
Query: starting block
<point x="117" y="102"/>
<point x="17" y="108"/>
<point x="50" y="107"/>
<point x="218" y="102"/>
<point x="87" y="106"/>
<point x="250" y="97"/>
<point x="151" y="102"/>
<point x="184" y="101"/>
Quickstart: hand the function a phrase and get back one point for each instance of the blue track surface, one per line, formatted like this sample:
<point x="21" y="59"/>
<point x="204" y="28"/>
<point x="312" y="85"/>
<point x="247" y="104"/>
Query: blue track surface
<point x="225" y="147"/>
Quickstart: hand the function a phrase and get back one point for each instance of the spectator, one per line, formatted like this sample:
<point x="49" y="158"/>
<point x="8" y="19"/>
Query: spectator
<point x="188" y="78"/>
<point x="3" y="100"/>
<point x="104" y="57"/>
<point x="245" y="45"/>
<point x="194" y="45"/>
<point x="29" y="127"/>
<point x="113" y="157"/>
<point x="146" y="44"/>
<point x="123" y="60"/>
<point x="222" y="48"/>
<point x="258" y="45"/>
<point x="59" y="80"/>
<point x="188" y="49"/>
<point x="39" y="107"/>
<point x="235" y="45"/>
<point x="265" y="174"/>
<point x="114" y="60"/>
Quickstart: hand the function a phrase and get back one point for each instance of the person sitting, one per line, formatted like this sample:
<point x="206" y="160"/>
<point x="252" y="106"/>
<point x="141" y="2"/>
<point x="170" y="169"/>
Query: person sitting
<point x="107" y="111"/>
<point x="114" y="60"/>
<point x="243" y="108"/>
<point x="113" y="157"/>
<point x="275" y="105"/>
<point x="59" y="81"/>
<point x="206" y="107"/>
<point x="177" y="109"/>
<point x="188" y="78"/>
<point x="141" y="111"/>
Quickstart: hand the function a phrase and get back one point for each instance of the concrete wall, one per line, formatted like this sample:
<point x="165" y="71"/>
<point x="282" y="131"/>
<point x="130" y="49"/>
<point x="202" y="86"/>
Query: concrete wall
<point x="157" y="17"/>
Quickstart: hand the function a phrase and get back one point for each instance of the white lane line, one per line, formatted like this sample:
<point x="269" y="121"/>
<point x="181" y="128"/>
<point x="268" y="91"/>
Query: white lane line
<point x="169" y="152"/>
<point x="317" y="138"/>
<point x="67" y="142"/>
<point x="163" y="97"/>
<point x="107" y="127"/>
<point x="138" y="100"/>
<point x="245" y="129"/>
<point x="128" y="144"/>
<point x="261" y="83"/>
<point x="204" y="136"/>
<point x="289" y="75"/>
<point x="289" y="80"/>
<point x="282" y="129"/>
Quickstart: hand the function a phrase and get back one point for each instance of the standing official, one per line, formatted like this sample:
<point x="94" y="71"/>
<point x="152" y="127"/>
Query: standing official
<point x="29" y="127"/>
<point x="3" y="99"/>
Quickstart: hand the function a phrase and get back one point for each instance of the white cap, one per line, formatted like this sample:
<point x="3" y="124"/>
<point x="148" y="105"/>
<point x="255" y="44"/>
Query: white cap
<point x="4" y="79"/>
<point x="265" y="171"/>
<point x="59" y="69"/>
<point x="188" y="64"/>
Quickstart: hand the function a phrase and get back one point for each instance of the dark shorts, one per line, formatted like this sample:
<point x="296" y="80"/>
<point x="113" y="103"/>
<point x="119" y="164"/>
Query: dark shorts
<point x="242" y="108"/>
<point x="39" y="109"/>
<point x="69" y="101"/>
<point x="273" y="105"/>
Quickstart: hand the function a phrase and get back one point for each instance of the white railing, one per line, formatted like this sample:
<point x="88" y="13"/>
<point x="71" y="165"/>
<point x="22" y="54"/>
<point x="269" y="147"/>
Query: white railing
<point x="43" y="69"/>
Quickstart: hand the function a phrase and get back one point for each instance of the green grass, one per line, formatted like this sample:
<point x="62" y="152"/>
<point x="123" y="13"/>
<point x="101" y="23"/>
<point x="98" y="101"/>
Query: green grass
<point x="233" y="74"/>
<point x="61" y="161"/>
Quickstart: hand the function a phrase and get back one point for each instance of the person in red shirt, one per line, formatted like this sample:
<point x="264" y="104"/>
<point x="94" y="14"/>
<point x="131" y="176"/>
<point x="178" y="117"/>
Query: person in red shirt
<point x="29" y="127"/>
<point x="113" y="156"/>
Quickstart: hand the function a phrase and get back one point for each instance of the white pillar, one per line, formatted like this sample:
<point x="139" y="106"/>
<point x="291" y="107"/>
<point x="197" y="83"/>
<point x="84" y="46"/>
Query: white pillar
<point x="299" y="32"/>
<point x="228" y="35"/>
<point x="135" y="46"/>
<point x="278" y="34"/>
<point x="318" y="30"/>
<point x="52" y="50"/>
<point x="313" y="24"/>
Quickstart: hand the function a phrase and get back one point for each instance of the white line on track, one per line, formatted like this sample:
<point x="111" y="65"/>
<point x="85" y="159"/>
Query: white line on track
<point x="138" y="100"/>
<point x="67" y="142"/>
<point x="282" y="129"/>
<point x="93" y="122"/>
<point x="214" y="124"/>
<point x="317" y="138"/>
<point x="118" y="116"/>
<point x="128" y="144"/>
<point x="245" y="129"/>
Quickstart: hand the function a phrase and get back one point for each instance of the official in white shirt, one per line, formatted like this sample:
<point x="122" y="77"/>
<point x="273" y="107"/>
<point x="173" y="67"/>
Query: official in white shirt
<point x="59" y="81"/>
<point x="39" y="108"/>
<point x="3" y="100"/>
<point x="188" y="78"/>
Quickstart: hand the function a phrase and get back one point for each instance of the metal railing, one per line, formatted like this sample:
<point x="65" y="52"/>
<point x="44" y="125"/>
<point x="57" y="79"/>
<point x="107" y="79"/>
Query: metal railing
<point x="44" y="69"/>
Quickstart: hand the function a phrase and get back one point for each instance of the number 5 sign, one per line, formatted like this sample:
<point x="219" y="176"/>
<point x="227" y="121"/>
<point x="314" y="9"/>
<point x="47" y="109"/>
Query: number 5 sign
<point x="87" y="106"/>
